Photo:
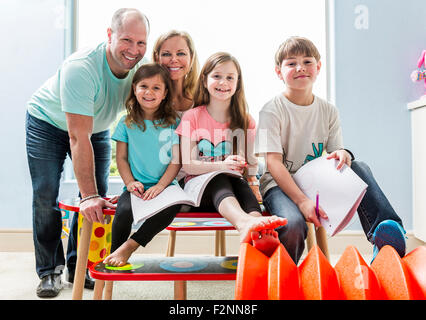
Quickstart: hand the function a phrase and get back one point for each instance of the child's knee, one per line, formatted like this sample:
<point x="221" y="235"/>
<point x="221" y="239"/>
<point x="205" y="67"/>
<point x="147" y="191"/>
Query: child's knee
<point x="360" y="167"/>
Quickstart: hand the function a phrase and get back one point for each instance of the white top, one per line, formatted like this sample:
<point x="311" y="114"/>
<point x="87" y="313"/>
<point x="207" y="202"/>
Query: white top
<point x="299" y="133"/>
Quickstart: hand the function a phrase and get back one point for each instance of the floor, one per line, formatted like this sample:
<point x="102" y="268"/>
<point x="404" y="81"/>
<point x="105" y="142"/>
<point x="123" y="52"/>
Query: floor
<point x="18" y="281"/>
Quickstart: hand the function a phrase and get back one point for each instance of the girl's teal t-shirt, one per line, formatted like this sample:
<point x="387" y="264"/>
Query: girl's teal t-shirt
<point x="149" y="151"/>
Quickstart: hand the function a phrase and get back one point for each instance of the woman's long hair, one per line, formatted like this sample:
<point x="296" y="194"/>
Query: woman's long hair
<point x="190" y="80"/>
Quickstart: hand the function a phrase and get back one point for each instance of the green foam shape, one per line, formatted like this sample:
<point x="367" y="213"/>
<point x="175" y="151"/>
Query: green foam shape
<point x="126" y="267"/>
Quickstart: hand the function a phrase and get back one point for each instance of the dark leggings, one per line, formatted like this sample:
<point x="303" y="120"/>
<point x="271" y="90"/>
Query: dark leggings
<point x="122" y="224"/>
<point x="223" y="186"/>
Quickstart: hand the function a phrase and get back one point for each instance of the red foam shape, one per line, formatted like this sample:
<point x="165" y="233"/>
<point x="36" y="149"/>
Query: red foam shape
<point x="318" y="280"/>
<point x="415" y="261"/>
<point x="252" y="274"/>
<point x="394" y="276"/>
<point x="283" y="276"/>
<point x="356" y="279"/>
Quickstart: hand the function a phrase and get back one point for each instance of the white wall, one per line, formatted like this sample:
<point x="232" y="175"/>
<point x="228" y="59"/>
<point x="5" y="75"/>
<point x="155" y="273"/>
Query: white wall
<point x="32" y="35"/>
<point x="377" y="45"/>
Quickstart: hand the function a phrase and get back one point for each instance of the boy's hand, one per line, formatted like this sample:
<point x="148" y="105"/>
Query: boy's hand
<point x="235" y="163"/>
<point x="136" y="188"/>
<point x="343" y="156"/>
<point x="308" y="209"/>
<point x="152" y="192"/>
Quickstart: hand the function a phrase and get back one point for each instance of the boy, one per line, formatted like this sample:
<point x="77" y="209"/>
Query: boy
<point x="296" y="127"/>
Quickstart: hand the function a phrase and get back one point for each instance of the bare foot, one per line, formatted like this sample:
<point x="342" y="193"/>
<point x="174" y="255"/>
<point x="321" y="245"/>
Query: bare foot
<point x="258" y="224"/>
<point x="120" y="256"/>
<point x="265" y="241"/>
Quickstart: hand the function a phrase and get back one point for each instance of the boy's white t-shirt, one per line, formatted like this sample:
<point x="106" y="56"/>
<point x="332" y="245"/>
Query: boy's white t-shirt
<point x="299" y="133"/>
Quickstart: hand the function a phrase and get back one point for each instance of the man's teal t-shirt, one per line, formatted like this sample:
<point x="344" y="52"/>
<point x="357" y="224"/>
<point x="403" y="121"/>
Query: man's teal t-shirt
<point x="149" y="151"/>
<point x="84" y="84"/>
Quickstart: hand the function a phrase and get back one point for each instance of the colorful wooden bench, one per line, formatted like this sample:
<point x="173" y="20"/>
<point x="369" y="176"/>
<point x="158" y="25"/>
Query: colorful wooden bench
<point x="155" y="268"/>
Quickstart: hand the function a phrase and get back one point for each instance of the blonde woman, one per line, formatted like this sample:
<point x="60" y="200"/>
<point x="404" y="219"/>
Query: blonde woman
<point x="175" y="50"/>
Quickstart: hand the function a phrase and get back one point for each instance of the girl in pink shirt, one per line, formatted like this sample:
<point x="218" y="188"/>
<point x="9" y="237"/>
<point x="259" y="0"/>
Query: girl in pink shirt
<point x="208" y="133"/>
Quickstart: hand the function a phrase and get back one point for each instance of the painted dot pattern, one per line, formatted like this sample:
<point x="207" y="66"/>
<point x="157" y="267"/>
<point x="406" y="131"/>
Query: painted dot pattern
<point x="218" y="223"/>
<point x="183" y="265"/>
<point x="230" y="264"/>
<point x="100" y="244"/>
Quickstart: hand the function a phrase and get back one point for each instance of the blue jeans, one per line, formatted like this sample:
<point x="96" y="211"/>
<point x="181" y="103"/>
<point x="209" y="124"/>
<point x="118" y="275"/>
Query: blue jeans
<point x="373" y="209"/>
<point x="47" y="148"/>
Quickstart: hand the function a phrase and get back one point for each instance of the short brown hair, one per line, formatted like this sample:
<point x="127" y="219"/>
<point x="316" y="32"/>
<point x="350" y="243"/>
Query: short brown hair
<point x="296" y="46"/>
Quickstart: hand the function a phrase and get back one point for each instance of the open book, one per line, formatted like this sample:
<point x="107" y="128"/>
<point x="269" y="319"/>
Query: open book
<point x="174" y="194"/>
<point x="340" y="191"/>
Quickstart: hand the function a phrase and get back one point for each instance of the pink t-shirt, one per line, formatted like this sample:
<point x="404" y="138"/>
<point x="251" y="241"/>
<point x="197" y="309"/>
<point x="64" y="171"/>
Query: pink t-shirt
<point x="214" y="139"/>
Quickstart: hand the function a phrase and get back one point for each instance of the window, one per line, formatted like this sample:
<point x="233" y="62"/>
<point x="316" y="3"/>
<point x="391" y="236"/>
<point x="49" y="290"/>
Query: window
<point x="249" y="30"/>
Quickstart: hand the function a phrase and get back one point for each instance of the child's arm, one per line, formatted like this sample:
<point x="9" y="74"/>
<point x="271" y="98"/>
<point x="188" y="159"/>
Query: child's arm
<point x="343" y="156"/>
<point x="193" y="166"/>
<point x="282" y="177"/>
<point x="123" y="167"/>
<point x="168" y="176"/>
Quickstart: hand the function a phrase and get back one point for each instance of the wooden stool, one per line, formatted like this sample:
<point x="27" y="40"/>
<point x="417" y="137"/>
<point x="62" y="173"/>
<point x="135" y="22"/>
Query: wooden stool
<point x="319" y="237"/>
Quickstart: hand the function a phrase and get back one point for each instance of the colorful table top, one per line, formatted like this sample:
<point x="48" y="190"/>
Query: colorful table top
<point x="169" y="268"/>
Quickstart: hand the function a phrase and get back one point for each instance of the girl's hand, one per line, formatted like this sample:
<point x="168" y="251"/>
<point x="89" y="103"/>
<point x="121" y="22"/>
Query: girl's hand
<point x="308" y="209"/>
<point x="343" y="156"/>
<point x="136" y="188"/>
<point x="235" y="163"/>
<point x="152" y="192"/>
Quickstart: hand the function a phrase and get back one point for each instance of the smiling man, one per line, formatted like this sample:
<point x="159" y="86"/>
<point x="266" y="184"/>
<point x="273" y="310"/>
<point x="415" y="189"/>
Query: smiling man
<point x="71" y="114"/>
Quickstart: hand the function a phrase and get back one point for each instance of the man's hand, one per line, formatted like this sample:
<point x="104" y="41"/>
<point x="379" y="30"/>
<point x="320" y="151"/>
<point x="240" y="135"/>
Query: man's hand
<point x="92" y="209"/>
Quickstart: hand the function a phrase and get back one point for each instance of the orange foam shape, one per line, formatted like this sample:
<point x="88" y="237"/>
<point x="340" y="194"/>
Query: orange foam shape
<point x="356" y="279"/>
<point x="415" y="261"/>
<point x="318" y="280"/>
<point x="283" y="276"/>
<point x="394" y="276"/>
<point x="252" y="274"/>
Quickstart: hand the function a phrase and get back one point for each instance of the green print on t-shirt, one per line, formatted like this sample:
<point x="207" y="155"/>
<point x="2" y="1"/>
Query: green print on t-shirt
<point x="317" y="152"/>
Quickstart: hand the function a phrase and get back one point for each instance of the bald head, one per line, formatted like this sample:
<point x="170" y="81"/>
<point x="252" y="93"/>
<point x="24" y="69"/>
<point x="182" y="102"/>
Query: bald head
<point x="124" y="15"/>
